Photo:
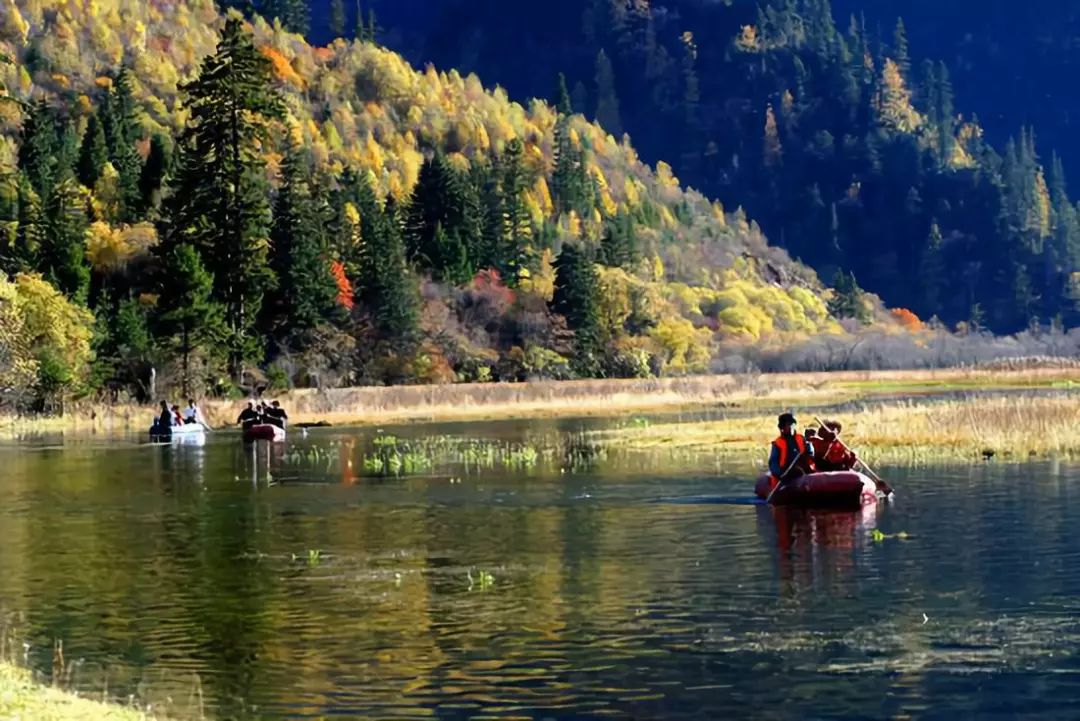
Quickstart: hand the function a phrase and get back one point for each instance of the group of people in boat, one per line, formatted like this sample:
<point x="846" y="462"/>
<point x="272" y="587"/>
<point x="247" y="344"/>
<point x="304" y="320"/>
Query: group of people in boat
<point x="171" y="416"/>
<point x="820" y="450"/>
<point x="261" y="414"/>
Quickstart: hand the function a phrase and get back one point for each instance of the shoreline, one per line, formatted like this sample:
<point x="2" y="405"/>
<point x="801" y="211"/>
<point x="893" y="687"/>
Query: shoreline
<point x="23" y="698"/>
<point x="365" y="406"/>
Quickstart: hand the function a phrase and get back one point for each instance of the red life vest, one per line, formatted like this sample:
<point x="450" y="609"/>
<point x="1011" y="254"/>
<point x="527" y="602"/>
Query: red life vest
<point x="782" y="445"/>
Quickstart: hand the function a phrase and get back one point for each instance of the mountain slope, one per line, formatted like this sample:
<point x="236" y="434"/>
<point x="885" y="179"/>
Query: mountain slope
<point x="681" y="275"/>
<point x="851" y="152"/>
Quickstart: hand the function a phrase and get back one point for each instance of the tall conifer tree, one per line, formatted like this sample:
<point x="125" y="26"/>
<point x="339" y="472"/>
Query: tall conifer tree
<point x="219" y="200"/>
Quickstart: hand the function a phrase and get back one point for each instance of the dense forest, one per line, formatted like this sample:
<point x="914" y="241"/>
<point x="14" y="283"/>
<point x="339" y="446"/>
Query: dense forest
<point x="850" y="151"/>
<point x="200" y="200"/>
<point x="230" y="206"/>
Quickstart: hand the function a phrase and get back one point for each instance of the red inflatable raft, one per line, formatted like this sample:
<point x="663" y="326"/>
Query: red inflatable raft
<point x="264" y="432"/>
<point x="842" y="489"/>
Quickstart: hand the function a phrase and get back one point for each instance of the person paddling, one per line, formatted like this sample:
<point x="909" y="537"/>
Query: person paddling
<point x="829" y="453"/>
<point x="165" y="420"/>
<point x="276" y="415"/>
<point x="789" y="450"/>
<point x="248" y="417"/>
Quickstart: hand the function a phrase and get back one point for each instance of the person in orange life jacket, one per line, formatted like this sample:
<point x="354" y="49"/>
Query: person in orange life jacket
<point x="829" y="453"/>
<point x="787" y="450"/>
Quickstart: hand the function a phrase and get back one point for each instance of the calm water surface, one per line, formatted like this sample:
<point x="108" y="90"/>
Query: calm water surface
<point x="519" y="572"/>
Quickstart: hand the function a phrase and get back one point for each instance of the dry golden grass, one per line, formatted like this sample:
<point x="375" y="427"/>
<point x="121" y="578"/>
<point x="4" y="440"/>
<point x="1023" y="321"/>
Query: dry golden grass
<point x="911" y="431"/>
<point x="374" y="405"/>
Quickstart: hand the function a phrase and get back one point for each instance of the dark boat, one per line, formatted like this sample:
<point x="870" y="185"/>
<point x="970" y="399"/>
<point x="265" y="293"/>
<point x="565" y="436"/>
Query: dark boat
<point x="840" y="489"/>
<point x="264" y="432"/>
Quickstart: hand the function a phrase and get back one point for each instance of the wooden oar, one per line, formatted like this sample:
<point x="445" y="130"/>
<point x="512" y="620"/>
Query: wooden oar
<point x="881" y="484"/>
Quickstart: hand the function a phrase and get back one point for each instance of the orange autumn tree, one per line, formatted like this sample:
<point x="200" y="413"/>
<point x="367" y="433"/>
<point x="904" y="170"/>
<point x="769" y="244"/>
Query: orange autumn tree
<point x="344" y="287"/>
<point x="907" y="320"/>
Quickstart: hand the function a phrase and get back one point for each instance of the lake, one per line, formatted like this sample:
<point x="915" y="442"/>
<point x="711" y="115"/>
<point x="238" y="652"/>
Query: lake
<point x="519" y="570"/>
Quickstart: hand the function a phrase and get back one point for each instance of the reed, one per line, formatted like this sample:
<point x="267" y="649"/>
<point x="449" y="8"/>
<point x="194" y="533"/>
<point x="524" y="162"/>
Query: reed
<point x="399" y="404"/>
<point x="912" y="431"/>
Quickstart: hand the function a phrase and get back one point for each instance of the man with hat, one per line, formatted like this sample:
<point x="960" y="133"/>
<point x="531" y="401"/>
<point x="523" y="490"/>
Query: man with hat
<point x="789" y="450"/>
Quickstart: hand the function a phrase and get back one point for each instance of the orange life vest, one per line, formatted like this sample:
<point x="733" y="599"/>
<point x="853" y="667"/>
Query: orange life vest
<point x="781" y="443"/>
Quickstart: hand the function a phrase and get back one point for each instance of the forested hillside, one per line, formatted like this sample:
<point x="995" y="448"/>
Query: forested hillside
<point x="849" y="150"/>
<point x="231" y="206"/>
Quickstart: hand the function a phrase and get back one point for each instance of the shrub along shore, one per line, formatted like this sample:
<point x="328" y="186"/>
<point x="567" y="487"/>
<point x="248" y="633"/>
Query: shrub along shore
<point x="746" y="392"/>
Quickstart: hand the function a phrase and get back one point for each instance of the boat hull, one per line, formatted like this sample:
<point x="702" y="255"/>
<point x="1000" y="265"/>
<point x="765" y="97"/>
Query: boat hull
<point x="177" y="433"/>
<point x="841" y="489"/>
<point x="264" y="432"/>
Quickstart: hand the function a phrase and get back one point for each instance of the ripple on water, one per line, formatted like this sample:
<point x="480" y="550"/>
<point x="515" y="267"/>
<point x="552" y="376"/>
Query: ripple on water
<point x="609" y="594"/>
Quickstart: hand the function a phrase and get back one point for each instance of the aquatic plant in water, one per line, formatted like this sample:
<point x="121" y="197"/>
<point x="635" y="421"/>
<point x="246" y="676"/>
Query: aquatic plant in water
<point x="483" y="580"/>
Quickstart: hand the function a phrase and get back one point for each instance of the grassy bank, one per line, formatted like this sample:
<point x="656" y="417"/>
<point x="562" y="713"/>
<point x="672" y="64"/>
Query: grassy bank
<point x="377" y="405"/>
<point x="22" y="698"/>
<point x="1012" y="427"/>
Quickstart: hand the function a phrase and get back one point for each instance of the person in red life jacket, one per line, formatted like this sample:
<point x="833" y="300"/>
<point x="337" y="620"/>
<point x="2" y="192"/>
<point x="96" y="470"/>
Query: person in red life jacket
<point x="829" y="453"/>
<point x="788" y="450"/>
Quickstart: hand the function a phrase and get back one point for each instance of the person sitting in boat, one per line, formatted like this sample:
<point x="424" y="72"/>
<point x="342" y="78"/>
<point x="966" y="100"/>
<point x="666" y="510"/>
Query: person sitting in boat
<point x="166" y="419"/>
<point x="191" y="413"/>
<point x="276" y="415"/>
<point x="178" y="420"/>
<point x="248" y="417"/>
<point x="790" y="455"/>
<point x="829" y="453"/>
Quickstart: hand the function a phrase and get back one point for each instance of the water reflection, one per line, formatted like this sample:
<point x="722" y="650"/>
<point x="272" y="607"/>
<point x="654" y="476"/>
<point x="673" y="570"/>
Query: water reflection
<point x="283" y="580"/>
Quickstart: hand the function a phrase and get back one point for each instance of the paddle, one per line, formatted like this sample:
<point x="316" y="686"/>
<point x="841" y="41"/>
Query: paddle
<point x="881" y="484"/>
<point x="780" y="481"/>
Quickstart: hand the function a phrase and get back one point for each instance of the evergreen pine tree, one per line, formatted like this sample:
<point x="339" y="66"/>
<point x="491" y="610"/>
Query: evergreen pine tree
<point x="847" y="300"/>
<point x="372" y="26"/>
<point x="619" y="246"/>
<point x="607" y="100"/>
<point x="945" y="114"/>
<point x="38" y="148"/>
<point x="93" y="154"/>
<point x="360" y="29"/>
<point x="191" y="321"/>
<point x="570" y="184"/>
<point x="576" y="298"/>
<point x="297" y="16"/>
<point x="900" y="49"/>
<point x="388" y="288"/>
<point x="932" y="272"/>
<point x="63" y="252"/>
<point x="443" y="198"/>
<point x="154" y="172"/>
<point x="518" y="221"/>
<point x="306" y="290"/>
<point x="29" y="230"/>
<point x="121" y="130"/>
<point x="219" y="200"/>
<point x="337" y="18"/>
<point x="563" y="106"/>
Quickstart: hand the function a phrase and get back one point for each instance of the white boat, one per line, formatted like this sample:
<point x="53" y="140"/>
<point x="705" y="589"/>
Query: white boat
<point x="187" y="432"/>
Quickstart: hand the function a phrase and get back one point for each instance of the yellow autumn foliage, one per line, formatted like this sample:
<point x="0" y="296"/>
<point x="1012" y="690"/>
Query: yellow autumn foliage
<point x="53" y="326"/>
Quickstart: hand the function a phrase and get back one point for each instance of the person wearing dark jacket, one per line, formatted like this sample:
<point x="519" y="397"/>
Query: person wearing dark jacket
<point x="166" y="419"/>
<point x="276" y="414"/>
<point x="248" y="417"/>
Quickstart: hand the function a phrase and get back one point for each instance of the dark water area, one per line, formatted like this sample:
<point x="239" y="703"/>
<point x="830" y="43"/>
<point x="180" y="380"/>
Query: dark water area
<point x="521" y="572"/>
